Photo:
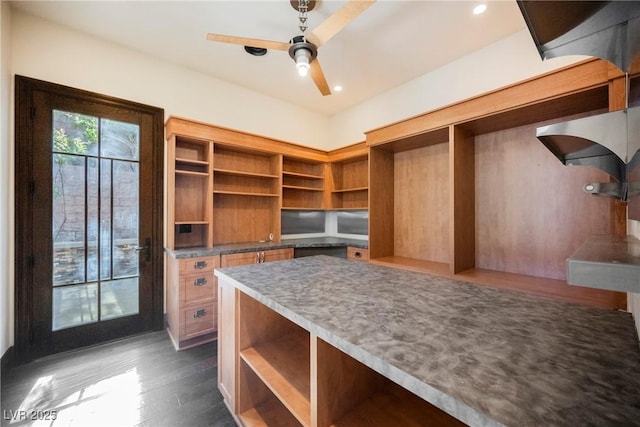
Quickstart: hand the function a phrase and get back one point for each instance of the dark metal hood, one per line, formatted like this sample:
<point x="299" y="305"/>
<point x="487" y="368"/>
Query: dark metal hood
<point x="608" y="30"/>
<point x="605" y="29"/>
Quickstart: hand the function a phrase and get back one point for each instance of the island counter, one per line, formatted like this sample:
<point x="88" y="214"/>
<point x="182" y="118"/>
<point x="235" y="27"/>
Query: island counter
<point x="324" y="341"/>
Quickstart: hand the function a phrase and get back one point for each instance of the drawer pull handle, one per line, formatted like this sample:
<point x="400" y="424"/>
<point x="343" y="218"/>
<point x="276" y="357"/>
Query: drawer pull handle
<point x="199" y="265"/>
<point x="200" y="281"/>
<point x="199" y="313"/>
<point x="358" y="254"/>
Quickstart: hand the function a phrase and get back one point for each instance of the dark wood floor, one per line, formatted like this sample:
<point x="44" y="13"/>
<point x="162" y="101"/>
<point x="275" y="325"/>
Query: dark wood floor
<point x="139" y="381"/>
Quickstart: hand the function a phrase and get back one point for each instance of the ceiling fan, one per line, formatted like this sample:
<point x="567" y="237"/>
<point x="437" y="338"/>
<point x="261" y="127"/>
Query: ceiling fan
<point x="303" y="48"/>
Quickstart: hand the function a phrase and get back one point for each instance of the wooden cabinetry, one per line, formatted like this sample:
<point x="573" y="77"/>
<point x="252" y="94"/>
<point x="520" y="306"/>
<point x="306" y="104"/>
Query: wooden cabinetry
<point x="192" y="300"/>
<point x="357" y="254"/>
<point x="246" y="189"/>
<point x="302" y="184"/>
<point x="227" y="343"/>
<point x="244" y="258"/>
<point x="189" y="195"/>
<point x="468" y="191"/>
<point x="349" y="183"/>
<point x="277" y="373"/>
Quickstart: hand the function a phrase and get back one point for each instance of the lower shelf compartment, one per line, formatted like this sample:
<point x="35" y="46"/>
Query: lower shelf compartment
<point x="283" y="366"/>
<point x="394" y="406"/>
<point x="268" y="414"/>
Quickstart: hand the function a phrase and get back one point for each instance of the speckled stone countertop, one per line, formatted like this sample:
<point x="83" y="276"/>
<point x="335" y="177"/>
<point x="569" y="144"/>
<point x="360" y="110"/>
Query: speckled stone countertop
<point x="489" y="357"/>
<point x="310" y="242"/>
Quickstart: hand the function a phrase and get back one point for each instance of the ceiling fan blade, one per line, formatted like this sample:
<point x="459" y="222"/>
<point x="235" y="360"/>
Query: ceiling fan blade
<point x="318" y="78"/>
<point x="244" y="41"/>
<point x="336" y="22"/>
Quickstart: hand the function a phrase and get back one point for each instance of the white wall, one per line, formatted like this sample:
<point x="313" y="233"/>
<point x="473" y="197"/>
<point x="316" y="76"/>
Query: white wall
<point x="54" y="53"/>
<point x="6" y="182"/>
<point x="505" y="62"/>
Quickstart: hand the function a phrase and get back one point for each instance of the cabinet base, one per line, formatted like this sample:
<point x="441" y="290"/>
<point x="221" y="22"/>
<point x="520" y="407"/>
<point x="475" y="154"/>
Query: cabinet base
<point x="192" y="342"/>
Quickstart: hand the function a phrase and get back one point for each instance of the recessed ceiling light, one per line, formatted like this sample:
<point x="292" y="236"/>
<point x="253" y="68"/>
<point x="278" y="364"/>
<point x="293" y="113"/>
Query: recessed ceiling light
<point x="479" y="9"/>
<point x="337" y="88"/>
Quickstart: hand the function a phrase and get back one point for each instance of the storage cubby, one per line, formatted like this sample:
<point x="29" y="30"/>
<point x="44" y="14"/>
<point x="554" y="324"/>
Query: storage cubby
<point x="189" y="196"/>
<point x="246" y="188"/>
<point x="303" y="184"/>
<point x="469" y="192"/>
<point x="276" y="352"/>
<point x="350" y="394"/>
<point x="350" y="183"/>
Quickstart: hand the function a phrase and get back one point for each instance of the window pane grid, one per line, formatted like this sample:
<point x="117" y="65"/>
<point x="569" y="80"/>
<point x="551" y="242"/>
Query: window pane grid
<point x="99" y="280"/>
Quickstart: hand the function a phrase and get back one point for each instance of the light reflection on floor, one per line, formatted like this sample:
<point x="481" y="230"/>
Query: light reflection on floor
<point x="112" y="402"/>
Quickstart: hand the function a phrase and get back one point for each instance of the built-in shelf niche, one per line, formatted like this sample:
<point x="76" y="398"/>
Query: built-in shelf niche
<point x="350" y="183"/>
<point x="515" y="212"/>
<point x="303" y="184"/>
<point x="246" y="194"/>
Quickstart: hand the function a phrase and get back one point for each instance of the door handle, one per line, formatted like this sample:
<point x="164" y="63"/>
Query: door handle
<point x="146" y="248"/>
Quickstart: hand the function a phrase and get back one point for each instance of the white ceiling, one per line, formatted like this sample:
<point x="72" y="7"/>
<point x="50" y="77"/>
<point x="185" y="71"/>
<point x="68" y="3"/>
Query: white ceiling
<point x="390" y="43"/>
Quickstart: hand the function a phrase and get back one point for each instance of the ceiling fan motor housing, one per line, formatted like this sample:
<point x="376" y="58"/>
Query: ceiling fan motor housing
<point x="299" y="42"/>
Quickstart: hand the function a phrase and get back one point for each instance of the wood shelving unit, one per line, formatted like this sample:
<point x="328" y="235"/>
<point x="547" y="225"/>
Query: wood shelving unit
<point x="349" y="183"/>
<point x="286" y="376"/>
<point x="303" y="184"/>
<point x="246" y="190"/>
<point x="189" y="202"/>
<point x="275" y="353"/>
<point x="467" y="191"/>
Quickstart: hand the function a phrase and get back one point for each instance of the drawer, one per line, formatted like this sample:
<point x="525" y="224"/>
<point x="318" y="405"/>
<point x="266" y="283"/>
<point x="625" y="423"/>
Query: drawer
<point x="198" y="319"/>
<point x="198" y="287"/>
<point x="199" y="265"/>
<point x="357" y="254"/>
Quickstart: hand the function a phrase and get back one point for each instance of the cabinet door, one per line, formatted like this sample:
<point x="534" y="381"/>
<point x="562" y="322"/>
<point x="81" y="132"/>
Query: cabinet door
<point x="231" y="260"/>
<point x="277" y="255"/>
<point x="227" y="343"/>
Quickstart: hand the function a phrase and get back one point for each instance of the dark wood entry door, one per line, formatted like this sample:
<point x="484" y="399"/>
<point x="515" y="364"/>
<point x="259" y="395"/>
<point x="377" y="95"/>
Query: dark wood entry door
<point x="88" y="218"/>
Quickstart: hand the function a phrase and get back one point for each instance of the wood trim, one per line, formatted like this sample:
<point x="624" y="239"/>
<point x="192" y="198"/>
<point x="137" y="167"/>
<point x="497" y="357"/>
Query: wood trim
<point x="195" y="129"/>
<point x="381" y="219"/>
<point x="359" y="149"/>
<point x="462" y="200"/>
<point x="579" y="77"/>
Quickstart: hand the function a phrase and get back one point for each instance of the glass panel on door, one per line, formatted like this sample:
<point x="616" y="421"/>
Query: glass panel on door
<point x="95" y="222"/>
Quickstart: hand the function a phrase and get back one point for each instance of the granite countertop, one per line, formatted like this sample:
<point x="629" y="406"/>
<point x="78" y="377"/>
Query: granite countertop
<point x="310" y="242"/>
<point x="487" y="356"/>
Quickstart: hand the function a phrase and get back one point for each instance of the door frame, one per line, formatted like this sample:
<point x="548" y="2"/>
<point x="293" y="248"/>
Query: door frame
<point x="25" y="209"/>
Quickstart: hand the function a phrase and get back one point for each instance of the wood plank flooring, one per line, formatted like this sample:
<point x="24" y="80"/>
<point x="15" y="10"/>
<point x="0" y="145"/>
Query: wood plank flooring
<point x="138" y="381"/>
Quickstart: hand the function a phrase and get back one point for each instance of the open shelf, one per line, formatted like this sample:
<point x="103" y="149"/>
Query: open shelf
<point x="283" y="366"/>
<point x="302" y="175"/>
<point x="261" y="407"/>
<point x="193" y="166"/>
<point x="242" y="173"/>
<point x="243" y="193"/>
<point x="349" y="190"/>
<point x="413" y="264"/>
<point x="350" y="394"/>
<point x="294" y="187"/>
<point x="277" y="353"/>
<point x="394" y="406"/>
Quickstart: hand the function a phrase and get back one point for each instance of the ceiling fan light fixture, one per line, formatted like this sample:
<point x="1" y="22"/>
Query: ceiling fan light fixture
<point x="302" y="52"/>
<point x="303" y="57"/>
